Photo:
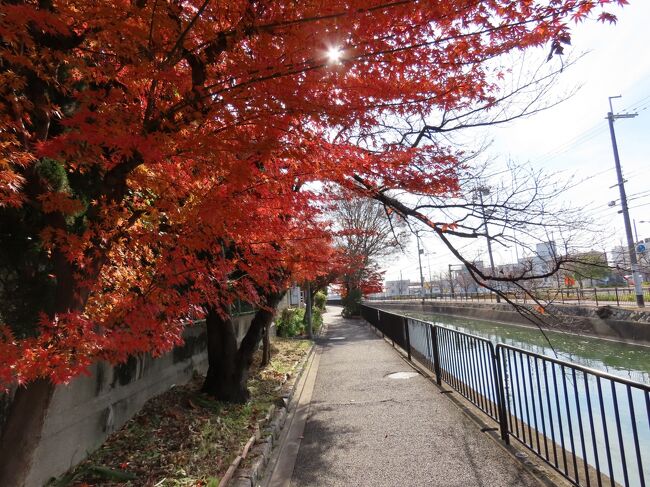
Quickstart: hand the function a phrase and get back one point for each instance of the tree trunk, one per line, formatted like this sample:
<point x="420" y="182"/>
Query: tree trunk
<point x="228" y="367"/>
<point x="308" y="311"/>
<point x="266" y="346"/>
<point x="223" y="380"/>
<point x="22" y="432"/>
<point x="23" y="428"/>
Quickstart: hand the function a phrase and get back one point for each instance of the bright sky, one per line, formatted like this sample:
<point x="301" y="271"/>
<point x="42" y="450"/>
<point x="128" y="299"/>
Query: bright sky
<point x="574" y="137"/>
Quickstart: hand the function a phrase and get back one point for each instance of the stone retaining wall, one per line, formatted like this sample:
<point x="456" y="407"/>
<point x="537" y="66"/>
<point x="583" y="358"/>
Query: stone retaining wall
<point x="88" y="409"/>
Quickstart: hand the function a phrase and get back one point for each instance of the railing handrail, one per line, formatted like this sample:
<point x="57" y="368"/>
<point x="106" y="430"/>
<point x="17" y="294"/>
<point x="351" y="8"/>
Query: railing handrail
<point x="582" y="368"/>
<point x="460" y="357"/>
<point x="474" y="337"/>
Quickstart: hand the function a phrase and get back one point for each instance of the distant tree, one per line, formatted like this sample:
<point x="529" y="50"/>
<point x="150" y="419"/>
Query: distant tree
<point x="366" y="232"/>
<point x="591" y="265"/>
<point x="525" y="209"/>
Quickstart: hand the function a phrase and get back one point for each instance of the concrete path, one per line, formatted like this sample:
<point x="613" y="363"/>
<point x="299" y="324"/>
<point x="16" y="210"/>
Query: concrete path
<point x="362" y="428"/>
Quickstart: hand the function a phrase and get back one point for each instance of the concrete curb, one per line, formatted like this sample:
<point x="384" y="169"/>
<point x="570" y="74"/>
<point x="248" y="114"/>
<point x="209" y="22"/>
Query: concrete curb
<point x="259" y="447"/>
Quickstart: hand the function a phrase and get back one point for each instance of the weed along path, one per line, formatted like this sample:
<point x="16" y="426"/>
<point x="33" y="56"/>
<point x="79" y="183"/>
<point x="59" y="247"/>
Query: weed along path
<point x="364" y="425"/>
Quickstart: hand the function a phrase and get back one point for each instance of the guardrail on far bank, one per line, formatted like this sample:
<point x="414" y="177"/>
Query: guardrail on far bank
<point x="590" y="426"/>
<point x="621" y="296"/>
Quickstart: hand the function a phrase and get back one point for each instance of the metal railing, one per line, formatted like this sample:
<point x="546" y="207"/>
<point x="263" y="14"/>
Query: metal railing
<point x="622" y="296"/>
<point x="590" y="426"/>
<point x="239" y="308"/>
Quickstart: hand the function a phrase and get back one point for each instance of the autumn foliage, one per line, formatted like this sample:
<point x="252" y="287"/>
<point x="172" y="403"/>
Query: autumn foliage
<point x="156" y="156"/>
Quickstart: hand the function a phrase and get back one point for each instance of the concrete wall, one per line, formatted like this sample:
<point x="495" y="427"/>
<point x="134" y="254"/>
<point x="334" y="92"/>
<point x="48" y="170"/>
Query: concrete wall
<point x="88" y="409"/>
<point x="604" y="322"/>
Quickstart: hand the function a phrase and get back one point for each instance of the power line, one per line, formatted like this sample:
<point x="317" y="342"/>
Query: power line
<point x="639" y="206"/>
<point x="590" y="133"/>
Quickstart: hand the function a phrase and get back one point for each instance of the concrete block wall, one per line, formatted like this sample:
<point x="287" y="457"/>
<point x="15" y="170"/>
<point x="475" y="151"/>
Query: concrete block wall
<point x="88" y="409"/>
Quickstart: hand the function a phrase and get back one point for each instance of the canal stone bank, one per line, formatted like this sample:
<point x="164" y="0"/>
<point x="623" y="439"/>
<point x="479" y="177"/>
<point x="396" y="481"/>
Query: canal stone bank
<point x="632" y="326"/>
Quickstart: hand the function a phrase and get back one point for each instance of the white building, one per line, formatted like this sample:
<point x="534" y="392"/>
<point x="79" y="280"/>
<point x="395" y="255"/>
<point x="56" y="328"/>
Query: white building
<point x="619" y="257"/>
<point x="397" y="288"/>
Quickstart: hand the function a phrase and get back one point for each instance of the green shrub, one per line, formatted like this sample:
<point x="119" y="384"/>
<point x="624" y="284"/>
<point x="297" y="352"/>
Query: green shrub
<point x="352" y="303"/>
<point x="289" y="323"/>
<point x="319" y="300"/>
<point x="316" y="320"/>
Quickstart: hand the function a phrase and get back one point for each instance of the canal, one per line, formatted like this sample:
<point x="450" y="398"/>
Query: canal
<point x="622" y="359"/>
<point x="612" y="434"/>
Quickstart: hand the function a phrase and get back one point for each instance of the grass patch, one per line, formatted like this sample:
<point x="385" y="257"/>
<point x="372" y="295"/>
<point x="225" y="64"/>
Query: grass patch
<point x="184" y="437"/>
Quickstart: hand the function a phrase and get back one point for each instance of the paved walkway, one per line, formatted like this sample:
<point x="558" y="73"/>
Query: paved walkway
<point x="364" y="429"/>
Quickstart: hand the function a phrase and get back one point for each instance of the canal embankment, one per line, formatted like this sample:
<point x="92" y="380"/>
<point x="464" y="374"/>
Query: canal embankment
<point x="626" y="325"/>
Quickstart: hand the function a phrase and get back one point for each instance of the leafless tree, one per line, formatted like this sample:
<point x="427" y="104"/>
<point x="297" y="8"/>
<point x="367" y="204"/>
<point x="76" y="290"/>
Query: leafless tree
<point x="366" y="233"/>
<point x="517" y="205"/>
<point x="513" y="206"/>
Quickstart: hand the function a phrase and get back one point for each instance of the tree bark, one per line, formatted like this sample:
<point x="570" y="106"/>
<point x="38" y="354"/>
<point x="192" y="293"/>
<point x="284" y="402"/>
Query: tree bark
<point x="23" y="430"/>
<point x="308" y="310"/>
<point x="223" y="381"/>
<point x="266" y="346"/>
<point x="228" y="366"/>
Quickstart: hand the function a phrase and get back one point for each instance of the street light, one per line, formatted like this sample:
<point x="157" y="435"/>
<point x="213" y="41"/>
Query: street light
<point x="420" y="252"/>
<point x="636" y="236"/>
<point x="429" y="254"/>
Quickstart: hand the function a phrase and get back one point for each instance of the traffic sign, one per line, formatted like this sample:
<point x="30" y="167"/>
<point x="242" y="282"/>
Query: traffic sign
<point x="641" y="248"/>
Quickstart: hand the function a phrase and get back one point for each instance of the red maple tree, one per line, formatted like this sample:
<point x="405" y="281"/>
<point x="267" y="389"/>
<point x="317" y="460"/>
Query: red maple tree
<point x="152" y="151"/>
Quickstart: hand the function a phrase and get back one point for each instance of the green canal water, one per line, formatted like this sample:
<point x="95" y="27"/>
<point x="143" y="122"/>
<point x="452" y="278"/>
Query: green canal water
<point x="622" y="359"/>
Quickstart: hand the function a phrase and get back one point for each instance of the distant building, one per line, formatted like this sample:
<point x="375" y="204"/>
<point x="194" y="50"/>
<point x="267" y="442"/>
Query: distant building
<point x="544" y="261"/>
<point x="511" y="271"/>
<point x="397" y="288"/>
<point x="433" y="287"/>
<point x="415" y="289"/>
<point x="619" y="257"/>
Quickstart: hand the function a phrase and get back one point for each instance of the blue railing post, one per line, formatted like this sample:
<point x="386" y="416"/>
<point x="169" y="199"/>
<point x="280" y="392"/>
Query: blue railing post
<point x="436" y="353"/>
<point x="501" y="396"/>
<point x="407" y="337"/>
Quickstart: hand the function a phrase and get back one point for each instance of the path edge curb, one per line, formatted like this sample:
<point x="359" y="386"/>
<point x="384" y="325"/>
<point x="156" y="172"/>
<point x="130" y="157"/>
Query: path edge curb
<point x="259" y="447"/>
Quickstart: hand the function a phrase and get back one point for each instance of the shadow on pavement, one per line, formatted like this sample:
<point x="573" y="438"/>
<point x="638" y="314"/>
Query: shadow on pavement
<point x="322" y="440"/>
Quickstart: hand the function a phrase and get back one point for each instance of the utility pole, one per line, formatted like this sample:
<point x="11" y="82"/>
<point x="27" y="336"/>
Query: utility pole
<point x="451" y="281"/>
<point x="417" y="239"/>
<point x="308" y="311"/>
<point x="483" y="190"/>
<point x="626" y="216"/>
